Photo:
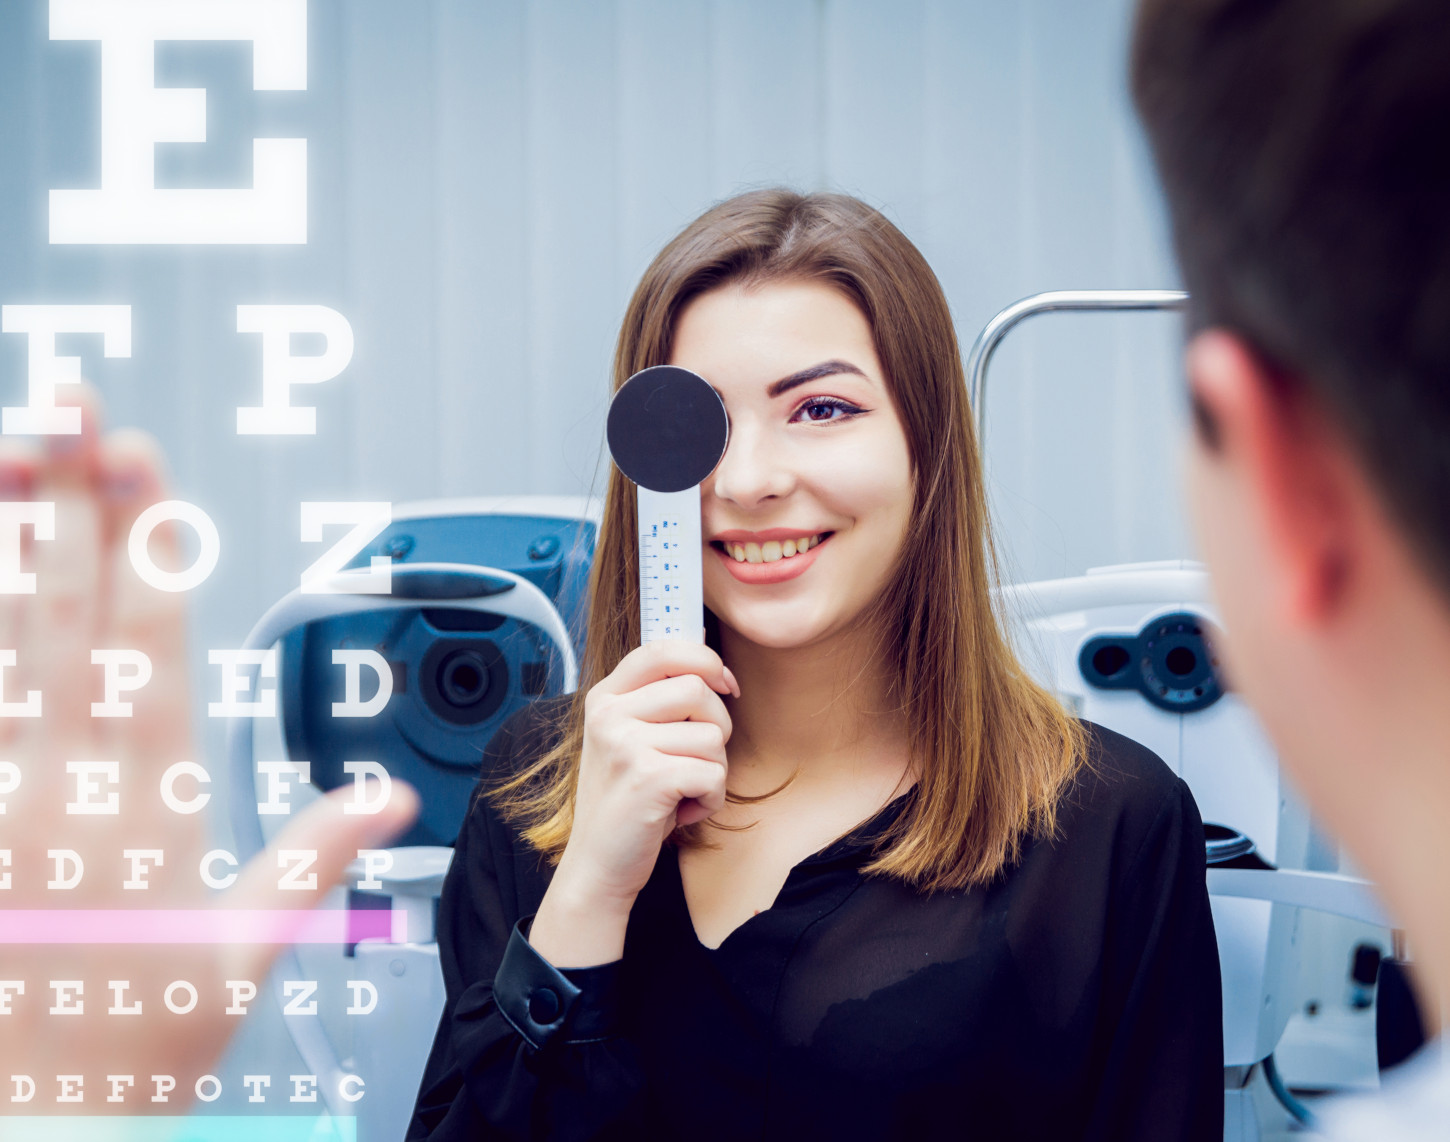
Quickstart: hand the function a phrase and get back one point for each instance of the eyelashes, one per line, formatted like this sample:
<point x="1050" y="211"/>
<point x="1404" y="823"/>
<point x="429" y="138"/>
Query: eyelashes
<point x="829" y="406"/>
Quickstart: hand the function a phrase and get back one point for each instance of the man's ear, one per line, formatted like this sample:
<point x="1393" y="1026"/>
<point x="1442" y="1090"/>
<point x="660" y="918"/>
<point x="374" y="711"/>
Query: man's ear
<point x="1267" y="445"/>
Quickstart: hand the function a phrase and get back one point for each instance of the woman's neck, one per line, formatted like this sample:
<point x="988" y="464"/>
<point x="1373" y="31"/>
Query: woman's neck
<point x="824" y="710"/>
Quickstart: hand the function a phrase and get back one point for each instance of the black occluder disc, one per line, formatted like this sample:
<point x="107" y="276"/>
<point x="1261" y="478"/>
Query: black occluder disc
<point x="667" y="428"/>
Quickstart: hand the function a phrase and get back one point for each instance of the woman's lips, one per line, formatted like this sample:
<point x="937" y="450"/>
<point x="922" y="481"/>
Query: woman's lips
<point x="776" y="572"/>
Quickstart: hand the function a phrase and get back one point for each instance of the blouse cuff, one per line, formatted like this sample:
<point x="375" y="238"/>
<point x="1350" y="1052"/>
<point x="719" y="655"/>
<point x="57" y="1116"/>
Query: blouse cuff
<point x="544" y="1003"/>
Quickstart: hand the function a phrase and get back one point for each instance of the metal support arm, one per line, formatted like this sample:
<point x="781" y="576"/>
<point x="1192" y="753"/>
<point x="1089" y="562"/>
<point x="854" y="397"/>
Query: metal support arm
<point x="1091" y="300"/>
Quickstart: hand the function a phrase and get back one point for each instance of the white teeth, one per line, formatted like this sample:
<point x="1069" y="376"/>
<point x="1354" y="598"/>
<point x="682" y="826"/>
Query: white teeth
<point x="771" y="550"/>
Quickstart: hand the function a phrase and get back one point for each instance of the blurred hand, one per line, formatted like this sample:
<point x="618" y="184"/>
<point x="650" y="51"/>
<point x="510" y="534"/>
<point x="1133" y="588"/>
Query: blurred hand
<point x="653" y="758"/>
<point x="89" y="597"/>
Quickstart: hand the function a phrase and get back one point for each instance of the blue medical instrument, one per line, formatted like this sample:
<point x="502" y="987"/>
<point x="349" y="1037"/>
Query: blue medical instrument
<point x="484" y="594"/>
<point x="667" y="430"/>
<point x="458" y="672"/>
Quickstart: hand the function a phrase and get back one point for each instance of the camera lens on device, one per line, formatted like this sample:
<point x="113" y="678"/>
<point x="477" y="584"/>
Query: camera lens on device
<point x="464" y="681"/>
<point x="463" y="678"/>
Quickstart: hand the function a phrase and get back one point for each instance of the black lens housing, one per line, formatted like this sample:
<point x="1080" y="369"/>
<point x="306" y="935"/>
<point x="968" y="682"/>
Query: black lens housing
<point x="1170" y="662"/>
<point x="464" y="680"/>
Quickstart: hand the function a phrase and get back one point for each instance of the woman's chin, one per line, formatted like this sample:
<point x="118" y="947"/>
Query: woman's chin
<point x="776" y="628"/>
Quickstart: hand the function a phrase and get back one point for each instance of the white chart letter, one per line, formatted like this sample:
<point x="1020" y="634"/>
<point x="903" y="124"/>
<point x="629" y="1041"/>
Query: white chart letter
<point x="125" y="670"/>
<point x="218" y="881"/>
<point x="30" y="708"/>
<point x="281" y="370"/>
<point x="298" y="990"/>
<point x="352" y="705"/>
<point x="136" y="115"/>
<point x="40" y="515"/>
<point x="117" y="1082"/>
<point x="374" y="862"/>
<point x="275" y="772"/>
<point x="182" y="512"/>
<point x="358" y="1006"/>
<point x="8" y="988"/>
<point x="235" y="684"/>
<point x="62" y="878"/>
<point x="41" y="323"/>
<point x="87" y="787"/>
<point x="369" y="520"/>
<point x="168" y="787"/>
<point x="361" y="771"/>
<point x="243" y="992"/>
<point x="9" y="780"/>
<point x="257" y="1082"/>
<point x="296" y="862"/>
<point x="119" y="987"/>
<point x="142" y="861"/>
<point x="67" y="993"/>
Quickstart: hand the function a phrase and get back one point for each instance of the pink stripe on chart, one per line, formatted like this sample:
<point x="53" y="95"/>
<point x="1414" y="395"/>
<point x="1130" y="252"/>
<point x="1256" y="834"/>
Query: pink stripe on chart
<point x="201" y="926"/>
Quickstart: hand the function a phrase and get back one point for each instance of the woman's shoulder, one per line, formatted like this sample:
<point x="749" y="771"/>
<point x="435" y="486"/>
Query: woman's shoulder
<point x="523" y="737"/>
<point x="1125" y="790"/>
<point x="497" y="853"/>
<point x="520" y="740"/>
<point x="1116" y="765"/>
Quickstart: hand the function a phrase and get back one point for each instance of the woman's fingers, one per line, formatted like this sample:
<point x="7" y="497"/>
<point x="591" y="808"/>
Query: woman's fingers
<point x="689" y="739"/>
<point x="698" y="787"/>
<point x="686" y="696"/>
<point x="654" y="756"/>
<point x="668" y="658"/>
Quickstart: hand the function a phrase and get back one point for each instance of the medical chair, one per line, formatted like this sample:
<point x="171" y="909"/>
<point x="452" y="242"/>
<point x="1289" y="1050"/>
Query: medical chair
<point x="1130" y="648"/>
<point x="484" y="597"/>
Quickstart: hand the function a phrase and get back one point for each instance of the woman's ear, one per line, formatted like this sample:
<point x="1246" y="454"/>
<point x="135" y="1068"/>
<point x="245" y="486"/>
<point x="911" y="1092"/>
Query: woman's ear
<point x="1269" y="480"/>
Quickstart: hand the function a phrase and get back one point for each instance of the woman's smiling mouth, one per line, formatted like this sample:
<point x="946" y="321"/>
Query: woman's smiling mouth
<point x="768" y="557"/>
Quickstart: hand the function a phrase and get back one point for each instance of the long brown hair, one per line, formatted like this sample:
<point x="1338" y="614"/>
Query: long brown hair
<point x="993" y="750"/>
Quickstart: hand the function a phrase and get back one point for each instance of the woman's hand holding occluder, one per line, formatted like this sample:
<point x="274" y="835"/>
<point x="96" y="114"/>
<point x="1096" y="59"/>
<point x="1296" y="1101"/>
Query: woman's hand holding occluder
<point x="653" y="759"/>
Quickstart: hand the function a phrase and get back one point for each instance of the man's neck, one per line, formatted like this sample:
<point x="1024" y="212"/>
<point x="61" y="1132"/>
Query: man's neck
<point x="1373" y="750"/>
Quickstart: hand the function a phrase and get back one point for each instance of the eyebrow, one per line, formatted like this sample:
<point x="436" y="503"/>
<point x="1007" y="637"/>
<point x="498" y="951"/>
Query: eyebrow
<point x="815" y="372"/>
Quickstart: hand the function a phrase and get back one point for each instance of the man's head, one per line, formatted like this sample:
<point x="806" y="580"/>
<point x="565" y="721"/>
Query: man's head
<point x="1304" y="147"/>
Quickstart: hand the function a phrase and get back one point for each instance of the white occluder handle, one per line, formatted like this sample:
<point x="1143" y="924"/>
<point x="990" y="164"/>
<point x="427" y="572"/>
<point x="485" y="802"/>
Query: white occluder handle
<point x="671" y="587"/>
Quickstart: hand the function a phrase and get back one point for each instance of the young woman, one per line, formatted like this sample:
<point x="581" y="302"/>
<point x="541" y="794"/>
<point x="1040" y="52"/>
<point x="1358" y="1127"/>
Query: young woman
<point x="844" y="871"/>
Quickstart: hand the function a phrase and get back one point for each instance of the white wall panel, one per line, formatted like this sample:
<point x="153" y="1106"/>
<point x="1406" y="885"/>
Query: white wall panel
<point x="488" y="178"/>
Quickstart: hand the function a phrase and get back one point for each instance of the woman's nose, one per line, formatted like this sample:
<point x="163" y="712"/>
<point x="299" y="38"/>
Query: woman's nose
<point x="751" y="471"/>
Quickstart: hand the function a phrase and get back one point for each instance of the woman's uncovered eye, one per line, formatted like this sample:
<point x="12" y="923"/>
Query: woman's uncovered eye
<point x="823" y="409"/>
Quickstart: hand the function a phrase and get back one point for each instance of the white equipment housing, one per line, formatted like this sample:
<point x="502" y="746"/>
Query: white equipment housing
<point x="1219" y="751"/>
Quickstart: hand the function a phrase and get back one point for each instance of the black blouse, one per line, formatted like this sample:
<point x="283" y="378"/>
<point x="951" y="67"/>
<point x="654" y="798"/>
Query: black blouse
<point x="1076" y="998"/>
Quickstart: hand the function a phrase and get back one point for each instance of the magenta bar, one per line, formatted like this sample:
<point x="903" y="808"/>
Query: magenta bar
<point x="201" y="926"/>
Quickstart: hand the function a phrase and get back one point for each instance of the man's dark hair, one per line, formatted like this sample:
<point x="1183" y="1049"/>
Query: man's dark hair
<point x="1304" y="147"/>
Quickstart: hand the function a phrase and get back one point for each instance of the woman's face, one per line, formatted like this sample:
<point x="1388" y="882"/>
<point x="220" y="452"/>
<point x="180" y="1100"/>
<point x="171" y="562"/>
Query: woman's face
<point x="805" y="514"/>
